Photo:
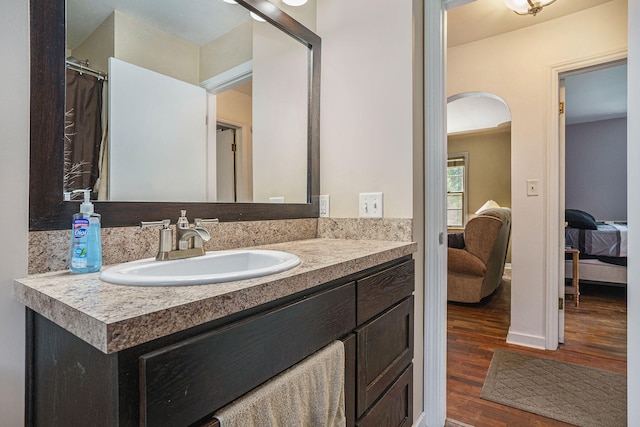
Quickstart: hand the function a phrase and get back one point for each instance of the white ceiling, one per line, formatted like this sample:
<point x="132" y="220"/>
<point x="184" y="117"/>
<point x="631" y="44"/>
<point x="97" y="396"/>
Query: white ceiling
<point x="475" y="111"/>
<point x="486" y="18"/>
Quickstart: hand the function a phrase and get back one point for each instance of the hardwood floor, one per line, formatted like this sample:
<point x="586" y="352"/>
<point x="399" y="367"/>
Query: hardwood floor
<point x="595" y="335"/>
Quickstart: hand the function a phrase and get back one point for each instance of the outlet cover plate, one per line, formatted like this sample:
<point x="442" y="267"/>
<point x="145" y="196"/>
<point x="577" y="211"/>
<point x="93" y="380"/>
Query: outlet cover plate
<point x="324" y="205"/>
<point x="370" y="205"/>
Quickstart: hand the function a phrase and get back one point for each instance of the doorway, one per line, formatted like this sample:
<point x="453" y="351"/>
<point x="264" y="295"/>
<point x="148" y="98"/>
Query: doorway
<point x="593" y="186"/>
<point x="545" y="219"/>
<point x="478" y="125"/>
<point x="226" y="164"/>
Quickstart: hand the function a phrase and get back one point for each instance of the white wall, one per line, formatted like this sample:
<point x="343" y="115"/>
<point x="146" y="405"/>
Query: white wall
<point x="367" y="120"/>
<point x="633" y="174"/>
<point x="14" y="169"/>
<point x="280" y="66"/>
<point x="515" y="66"/>
<point x="366" y="112"/>
<point x="596" y="168"/>
<point x="150" y="115"/>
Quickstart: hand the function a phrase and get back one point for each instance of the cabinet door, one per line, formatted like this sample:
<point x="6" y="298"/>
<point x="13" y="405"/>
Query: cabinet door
<point x="395" y="407"/>
<point x="385" y="349"/>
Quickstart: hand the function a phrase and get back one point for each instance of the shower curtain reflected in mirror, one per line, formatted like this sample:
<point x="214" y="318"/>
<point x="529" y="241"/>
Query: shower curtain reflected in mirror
<point x="84" y="133"/>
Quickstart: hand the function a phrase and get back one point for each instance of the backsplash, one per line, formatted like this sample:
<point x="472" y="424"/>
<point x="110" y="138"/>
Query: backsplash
<point x="366" y="229"/>
<point x="49" y="250"/>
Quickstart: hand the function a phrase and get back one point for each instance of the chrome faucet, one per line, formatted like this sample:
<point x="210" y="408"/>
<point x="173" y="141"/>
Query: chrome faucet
<point x="188" y="237"/>
<point x="189" y="240"/>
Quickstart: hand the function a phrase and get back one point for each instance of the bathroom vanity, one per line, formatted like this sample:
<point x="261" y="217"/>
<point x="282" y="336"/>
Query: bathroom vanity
<point x="105" y="355"/>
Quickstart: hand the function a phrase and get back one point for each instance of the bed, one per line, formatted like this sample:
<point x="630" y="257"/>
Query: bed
<point x="602" y="246"/>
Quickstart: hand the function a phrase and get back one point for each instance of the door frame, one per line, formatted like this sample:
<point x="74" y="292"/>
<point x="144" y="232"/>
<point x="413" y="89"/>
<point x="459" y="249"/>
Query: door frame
<point x="554" y="274"/>
<point x="244" y="158"/>
<point x="435" y="305"/>
<point x="435" y="223"/>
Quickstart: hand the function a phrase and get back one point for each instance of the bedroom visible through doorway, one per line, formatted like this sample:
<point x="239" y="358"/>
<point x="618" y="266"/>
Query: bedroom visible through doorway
<point x="593" y="140"/>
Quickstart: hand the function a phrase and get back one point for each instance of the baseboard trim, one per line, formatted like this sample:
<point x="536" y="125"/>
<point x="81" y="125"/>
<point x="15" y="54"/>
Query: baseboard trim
<point x="526" y="340"/>
<point x="421" y="421"/>
<point x="453" y="423"/>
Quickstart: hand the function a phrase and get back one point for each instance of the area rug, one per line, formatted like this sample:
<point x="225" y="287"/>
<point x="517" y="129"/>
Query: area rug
<point x="560" y="390"/>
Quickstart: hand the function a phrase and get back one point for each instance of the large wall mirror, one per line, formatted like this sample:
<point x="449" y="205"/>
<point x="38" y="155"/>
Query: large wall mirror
<point x="210" y="106"/>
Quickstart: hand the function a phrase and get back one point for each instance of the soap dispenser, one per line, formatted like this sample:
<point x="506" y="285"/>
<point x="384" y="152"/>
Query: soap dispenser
<point x="86" y="245"/>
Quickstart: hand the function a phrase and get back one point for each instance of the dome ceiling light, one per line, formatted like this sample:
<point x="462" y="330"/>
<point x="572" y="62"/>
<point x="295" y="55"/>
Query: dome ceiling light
<point x="527" y="7"/>
<point x="294" y="2"/>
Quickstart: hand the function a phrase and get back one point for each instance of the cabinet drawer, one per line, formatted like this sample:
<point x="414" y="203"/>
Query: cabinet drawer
<point x="395" y="407"/>
<point x="182" y="383"/>
<point x="378" y="292"/>
<point x="385" y="349"/>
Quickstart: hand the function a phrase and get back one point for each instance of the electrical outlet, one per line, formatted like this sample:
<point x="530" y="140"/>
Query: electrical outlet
<point x="370" y="205"/>
<point x="324" y="205"/>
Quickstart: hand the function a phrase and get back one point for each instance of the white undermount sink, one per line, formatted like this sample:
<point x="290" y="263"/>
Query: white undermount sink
<point x="213" y="267"/>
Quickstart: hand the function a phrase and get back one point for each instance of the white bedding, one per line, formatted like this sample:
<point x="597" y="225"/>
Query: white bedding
<point x="597" y="271"/>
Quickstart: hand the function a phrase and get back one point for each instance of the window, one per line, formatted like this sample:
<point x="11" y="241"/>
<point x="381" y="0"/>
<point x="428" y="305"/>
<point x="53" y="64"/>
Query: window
<point x="456" y="190"/>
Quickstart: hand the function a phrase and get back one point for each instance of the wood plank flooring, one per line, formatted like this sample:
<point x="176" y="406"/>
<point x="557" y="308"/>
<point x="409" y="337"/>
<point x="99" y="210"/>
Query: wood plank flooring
<point x="595" y="335"/>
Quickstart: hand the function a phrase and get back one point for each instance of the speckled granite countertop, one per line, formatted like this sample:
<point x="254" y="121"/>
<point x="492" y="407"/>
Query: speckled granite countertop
<point x="114" y="317"/>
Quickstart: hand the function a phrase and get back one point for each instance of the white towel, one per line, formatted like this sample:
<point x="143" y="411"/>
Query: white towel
<point x="310" y="393"/>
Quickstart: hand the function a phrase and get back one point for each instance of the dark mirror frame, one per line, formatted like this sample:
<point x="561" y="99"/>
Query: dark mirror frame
<point x="47" y="210"/>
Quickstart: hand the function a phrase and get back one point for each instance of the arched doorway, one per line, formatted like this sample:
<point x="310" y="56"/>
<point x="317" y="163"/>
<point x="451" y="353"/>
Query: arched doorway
<point x="478" y="153"/>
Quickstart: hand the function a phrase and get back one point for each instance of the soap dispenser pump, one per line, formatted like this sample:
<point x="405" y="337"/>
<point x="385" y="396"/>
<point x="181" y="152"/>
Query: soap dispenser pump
<point x="86" y="245"/>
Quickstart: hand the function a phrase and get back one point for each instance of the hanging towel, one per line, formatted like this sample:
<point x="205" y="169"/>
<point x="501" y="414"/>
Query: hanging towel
<point x="310" y="393"/>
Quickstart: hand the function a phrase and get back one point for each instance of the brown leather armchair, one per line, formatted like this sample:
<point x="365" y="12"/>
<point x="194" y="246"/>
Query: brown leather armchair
<point x="475" y="271"/>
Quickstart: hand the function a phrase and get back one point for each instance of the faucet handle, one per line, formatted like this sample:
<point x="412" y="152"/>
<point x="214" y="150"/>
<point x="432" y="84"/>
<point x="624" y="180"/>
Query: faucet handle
<point x="197" y="222"/>
<point x="166" y="237"/>
<point x="164" y="223"/>
<point x="183" y="221"/>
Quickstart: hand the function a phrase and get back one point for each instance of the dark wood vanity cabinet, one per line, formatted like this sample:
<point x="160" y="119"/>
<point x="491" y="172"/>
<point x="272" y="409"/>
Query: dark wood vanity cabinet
<point x="181" y="379"/>
<point x="385" y="347"/>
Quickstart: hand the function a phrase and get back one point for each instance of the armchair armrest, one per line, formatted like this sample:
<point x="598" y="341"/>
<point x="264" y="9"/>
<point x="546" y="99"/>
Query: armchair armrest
<point x="462" y="262"/>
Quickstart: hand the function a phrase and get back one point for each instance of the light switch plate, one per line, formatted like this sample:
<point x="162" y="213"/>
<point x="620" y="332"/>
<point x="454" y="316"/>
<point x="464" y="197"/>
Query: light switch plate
<point x="370" y="205"/>
<point x="324" y="205"/>
<point x="532" y="187"/>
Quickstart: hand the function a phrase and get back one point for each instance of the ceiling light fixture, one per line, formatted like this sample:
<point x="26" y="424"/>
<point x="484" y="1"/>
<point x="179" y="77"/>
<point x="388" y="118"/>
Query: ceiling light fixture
<point x="527" y="7"/>
<point x="294" y="2"/>
<point x="257" y="17"/>
<point x="231" y="1"/>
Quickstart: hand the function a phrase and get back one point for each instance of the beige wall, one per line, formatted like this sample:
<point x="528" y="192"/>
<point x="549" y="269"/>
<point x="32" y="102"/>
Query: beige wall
<point x="367" y="120"/>
<point x="234" y="106"/>
<point x="227" y="51"/>
<point x="366" y="127"/>
<point x="489" y="168"/>
<point x="280" y="72"/>
<point x="515" y="66"/>
<point x="150" y="48"/>
<point x="137" y="43"/>
<point x="14" y="215"/>
<point x="98" y="46"/>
